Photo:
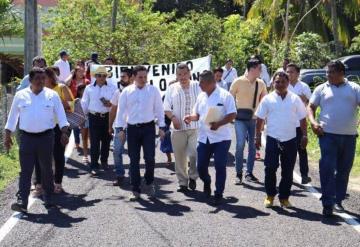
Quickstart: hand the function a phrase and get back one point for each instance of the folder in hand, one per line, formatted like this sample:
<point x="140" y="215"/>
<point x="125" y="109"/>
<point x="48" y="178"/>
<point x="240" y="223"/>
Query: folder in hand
<point x="214" y="114"/>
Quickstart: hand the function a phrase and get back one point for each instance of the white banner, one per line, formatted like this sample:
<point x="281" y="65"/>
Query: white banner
<point x="159" y="74"/>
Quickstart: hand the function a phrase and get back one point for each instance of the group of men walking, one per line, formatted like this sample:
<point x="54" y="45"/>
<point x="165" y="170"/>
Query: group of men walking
<point x="202" y="114"/>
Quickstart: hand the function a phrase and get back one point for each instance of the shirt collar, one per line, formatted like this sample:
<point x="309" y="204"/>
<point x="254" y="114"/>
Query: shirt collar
<point x="96" y="84"/>
<point x="346" y="81"/>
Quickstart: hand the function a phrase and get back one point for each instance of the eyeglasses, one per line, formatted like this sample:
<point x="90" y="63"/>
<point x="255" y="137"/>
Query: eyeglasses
<point x="101" y="75"/>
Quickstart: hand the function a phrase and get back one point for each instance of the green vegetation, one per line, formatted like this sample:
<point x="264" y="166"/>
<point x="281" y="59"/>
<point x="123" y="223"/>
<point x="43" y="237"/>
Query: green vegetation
<point x="9" y="167"/>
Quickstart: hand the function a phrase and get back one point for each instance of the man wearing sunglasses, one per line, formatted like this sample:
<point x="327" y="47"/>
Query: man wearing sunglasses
<point x="96" y="103"/>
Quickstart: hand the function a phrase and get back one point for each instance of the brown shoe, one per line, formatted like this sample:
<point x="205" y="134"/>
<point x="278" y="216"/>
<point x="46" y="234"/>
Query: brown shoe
<point x="38" y="191"/>
<point x="58" y="189"/>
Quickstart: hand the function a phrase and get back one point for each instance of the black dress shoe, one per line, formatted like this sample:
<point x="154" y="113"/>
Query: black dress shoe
<point x="207" y="189"/>
<point x="119" y="180"/>
<point x="94" y="172"/>
<point x="305" y="180"/>
<point x="327" y="212"/>
<point x="20" y="205"/>
<point x="339" y="208"/>
<point x="251" y="178"/>
<point x="192" y="184"/>
<point x="238" y="179"/>
<point x="182" y="188"/>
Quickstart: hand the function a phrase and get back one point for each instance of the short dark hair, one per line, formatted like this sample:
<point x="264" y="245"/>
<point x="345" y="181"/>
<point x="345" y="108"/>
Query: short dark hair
<point x="258" y="57"/>
<point x="34" y="71"/>
<point x="207" y="76"/>
<point x="182" y="66"/>
<point x="229" y="60"/>
<point x="253" y="63"/>
<point x="295" y="66"/>
<point x="55" y="69"/>
<point x="38" y="59"/>
<point x="337" y="65"/>
<point x="63" y="53"/>
<point x="50" y="73"/>
<point x="110" y="59"/>
<point x="218" y="69"/>
<point x="139" y="68"/>
<point x="281" y="74"/>
<point x="128" y="71"/>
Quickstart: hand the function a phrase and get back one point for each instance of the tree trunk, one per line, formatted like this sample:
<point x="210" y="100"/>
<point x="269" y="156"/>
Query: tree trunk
<point x="287" y="40"/>
<point x="114" y="15"/>
<point x="31" y="45"/>
<point x="334" y="27"/>
<point x="245" y="9"/>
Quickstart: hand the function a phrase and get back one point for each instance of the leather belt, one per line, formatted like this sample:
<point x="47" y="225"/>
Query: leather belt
<point x="99" y="114"/>
<point x="37" y="134"/>
<point x="139" y="125"/>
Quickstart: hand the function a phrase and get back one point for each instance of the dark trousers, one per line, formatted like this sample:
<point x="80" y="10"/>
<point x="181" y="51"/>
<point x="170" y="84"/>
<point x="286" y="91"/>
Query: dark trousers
<point x="303" y="157"/>
<point x="286" y="152"/>
<point x="337" y="157"/>
<point x="99" y="139"/>
<point x="220" y="151"/>
<point x="144" y="137"/>
<point x="59" y="159"/>
<point x="35" y="148"/>
<point x="77" y="135"/>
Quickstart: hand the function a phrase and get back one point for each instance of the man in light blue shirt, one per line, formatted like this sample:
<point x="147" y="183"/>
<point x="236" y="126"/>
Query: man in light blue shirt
<point x="336" y="128"/>
<point x="38" y="61"/>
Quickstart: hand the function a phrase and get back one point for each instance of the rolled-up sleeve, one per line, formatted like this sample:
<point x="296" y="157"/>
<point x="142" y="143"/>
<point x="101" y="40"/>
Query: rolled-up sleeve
<point x="168" y="100"/>
<point x="316" y="96"/>
<point x="60" y="112"/>
<point x="13" y="115"/>
<point x="230" y="105"/>
<point x="301" y="110"/>
<point x="121" y="113"/>
<point x="262" y="110"/>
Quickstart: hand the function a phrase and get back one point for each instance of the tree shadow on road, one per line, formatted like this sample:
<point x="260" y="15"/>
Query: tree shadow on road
<point x="54" y="217"/>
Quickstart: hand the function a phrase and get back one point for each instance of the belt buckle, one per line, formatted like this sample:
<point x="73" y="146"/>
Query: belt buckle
<point x="102" y="115"/>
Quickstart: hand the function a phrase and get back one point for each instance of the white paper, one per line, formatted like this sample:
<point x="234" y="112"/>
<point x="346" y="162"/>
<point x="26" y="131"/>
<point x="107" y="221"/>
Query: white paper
<point x="214" y="114"/>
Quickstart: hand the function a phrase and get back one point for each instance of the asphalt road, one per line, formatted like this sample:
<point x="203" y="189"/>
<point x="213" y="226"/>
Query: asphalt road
<point x="94" y="213"/>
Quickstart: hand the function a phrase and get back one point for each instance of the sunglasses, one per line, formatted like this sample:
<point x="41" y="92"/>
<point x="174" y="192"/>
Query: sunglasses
<point x="101" y="75"/>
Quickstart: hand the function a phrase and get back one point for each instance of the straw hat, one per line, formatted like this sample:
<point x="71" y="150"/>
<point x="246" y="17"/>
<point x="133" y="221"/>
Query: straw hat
<point x="101" y="70"/>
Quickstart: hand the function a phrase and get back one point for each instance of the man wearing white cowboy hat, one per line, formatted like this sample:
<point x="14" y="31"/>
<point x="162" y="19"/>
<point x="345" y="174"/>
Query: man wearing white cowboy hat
<point x="96" y="103"/>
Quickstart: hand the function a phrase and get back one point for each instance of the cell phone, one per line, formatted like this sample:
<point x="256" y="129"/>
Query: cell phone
<point x="103" y="100"/>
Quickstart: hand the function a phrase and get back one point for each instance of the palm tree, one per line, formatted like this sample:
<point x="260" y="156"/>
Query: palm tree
<point x="328" y="16"/>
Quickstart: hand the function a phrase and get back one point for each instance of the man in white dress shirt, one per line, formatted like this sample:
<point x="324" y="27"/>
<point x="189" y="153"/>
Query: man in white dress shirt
<point x="302" y="90"/>
<point x="96" y="103"/>
<point x="37" y="136"/>
<point x="179" y="101"/>
<point x="282" y="110"/>
<point x="230" y="73"/>
<point x="214" y="137"/>
<point x="218" y="73"/>
<point x="64" y="66"/>
<point x="140" y="105"/>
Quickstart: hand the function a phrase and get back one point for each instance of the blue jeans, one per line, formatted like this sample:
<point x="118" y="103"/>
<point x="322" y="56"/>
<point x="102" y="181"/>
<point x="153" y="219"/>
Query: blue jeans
<point x="285" y="152"/>
<point x="118" y="152"/>
<point x="220" y="152"/>
<point x="245" y="129"/>
<point x="337" y="156"/>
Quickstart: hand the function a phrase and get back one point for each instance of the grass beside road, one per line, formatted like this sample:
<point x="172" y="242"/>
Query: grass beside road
<point x="314" y="152"/>
<point x="9" y="167"/>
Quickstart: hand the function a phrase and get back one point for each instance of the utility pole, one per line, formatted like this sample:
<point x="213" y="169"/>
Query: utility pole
<point x="31" y="45"/>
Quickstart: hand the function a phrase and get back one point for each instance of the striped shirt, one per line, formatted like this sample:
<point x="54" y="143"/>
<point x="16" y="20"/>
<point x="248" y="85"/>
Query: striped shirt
<point x="181" y="101"/>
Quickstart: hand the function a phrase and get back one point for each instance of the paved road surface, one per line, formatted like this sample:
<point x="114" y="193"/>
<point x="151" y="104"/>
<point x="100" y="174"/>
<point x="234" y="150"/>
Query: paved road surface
<point x="94" y="213"/>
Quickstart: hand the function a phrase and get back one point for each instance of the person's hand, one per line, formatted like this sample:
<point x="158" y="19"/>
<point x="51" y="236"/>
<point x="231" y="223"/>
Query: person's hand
<point x="304" y="142"/>
<point x="64" y="139"/>
<point x="188" y="119"/>
<point x="122" y="136"/>
<point x="214" y="125"/>
<point x="258" y="142"/>
<point x="303" y="98"/>
<point x="176" y="123"/>
<point x="161" y="134"/>
<point x="107" y="103"/>
<point x="317" y="129"/>
<point x="111" y="131"/>
<point x="8" y="142"/>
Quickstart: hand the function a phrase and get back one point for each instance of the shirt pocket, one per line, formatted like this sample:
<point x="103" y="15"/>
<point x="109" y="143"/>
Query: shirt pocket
<point x="24" y="106"/>
<point x="47" y="107"/>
